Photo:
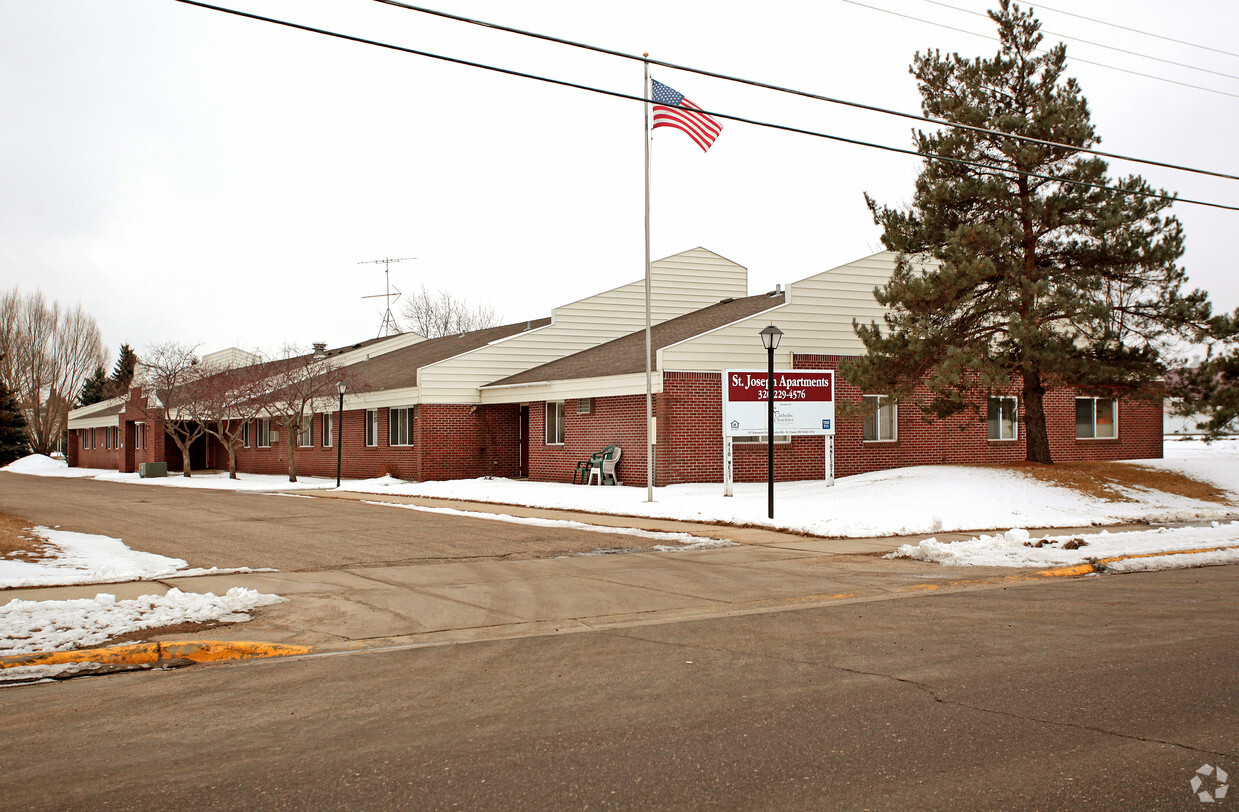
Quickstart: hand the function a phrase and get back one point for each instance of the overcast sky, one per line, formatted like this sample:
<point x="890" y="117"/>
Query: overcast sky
<point x="192" y="176"/>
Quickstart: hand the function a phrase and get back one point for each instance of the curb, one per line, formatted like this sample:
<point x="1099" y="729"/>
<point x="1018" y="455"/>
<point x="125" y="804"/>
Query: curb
<point x="1098" y="565"/>
<point x="198" y="651"/>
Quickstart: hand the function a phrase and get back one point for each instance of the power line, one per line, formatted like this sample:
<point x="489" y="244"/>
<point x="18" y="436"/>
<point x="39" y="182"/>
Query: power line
<point x="1096" y="44"/>
<point x="1073" y="59"/>
<point x="1044" y="7"/>
<point x="618" y="95"/>
<point x="802" y="93"/>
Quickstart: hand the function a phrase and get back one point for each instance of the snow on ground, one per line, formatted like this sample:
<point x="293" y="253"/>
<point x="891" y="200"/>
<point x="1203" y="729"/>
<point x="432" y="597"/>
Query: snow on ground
<point x="84" y="558"/>
<point x="1015" y="548"/>
<point x="40" y="465"/>
<point x="41" y="626"/>
<point x="905" y="501"/>
<point x="683" y="541"/>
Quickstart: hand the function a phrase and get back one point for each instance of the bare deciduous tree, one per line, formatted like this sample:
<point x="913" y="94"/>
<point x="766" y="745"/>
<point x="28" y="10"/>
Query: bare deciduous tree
<point x="226" y="399"/>
<point x="300" y="384"/>
<point x="47" y="351"/>
<point x="439" y="313"/>
<point x="172" y="378"/>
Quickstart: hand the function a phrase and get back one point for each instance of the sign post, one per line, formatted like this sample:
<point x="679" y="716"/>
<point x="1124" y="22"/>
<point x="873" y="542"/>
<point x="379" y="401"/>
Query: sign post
<point x="804" y="404"/>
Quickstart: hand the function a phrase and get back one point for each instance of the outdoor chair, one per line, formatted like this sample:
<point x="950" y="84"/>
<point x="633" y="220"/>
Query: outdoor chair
<point x="602" y="466"/>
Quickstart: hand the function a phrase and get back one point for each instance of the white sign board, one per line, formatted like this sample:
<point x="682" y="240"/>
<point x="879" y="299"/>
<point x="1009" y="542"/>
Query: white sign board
<point x="804" y="402"/>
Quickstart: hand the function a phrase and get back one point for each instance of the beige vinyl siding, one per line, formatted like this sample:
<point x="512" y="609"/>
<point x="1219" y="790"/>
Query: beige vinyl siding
<point x="572" y="389"/>
<point x="679" y="284"/>
<point x="97" y="415"/>
<point x="817" y="318"/>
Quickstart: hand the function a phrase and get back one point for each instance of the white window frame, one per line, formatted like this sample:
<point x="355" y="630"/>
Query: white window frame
<point x="398" y="418"/>
<point x="877" y="422"/>
<point x="139" y="436"/>
<point x="372" y="428"/>
<point x="1015" y="418"/>
<point x="554" y="422"/>
<point x="329" y="429"/>
<point x="88" y="438"/>
<point x="305" y="432"/>
<point x="245" y="434"/>
<point x="584" y="405"/>
<point x="262" y="432"/>
<point x="1093" y="426"/>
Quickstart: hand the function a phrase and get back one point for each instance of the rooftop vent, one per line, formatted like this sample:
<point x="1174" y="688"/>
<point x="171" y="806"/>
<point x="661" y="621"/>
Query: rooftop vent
<point x="320" y="349"/>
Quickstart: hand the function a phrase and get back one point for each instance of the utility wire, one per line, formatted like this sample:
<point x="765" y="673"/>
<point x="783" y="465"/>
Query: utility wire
<point x="1044" y="7"/>
<point x="1073" y="58"/>
<point x="727" y="116"/>
<point x="802" y="93"/>
<point x="1097" y="44"/>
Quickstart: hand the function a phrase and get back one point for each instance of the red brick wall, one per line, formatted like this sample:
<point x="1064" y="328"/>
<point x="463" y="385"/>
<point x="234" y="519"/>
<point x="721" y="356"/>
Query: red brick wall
<point x="615" y="421"/>
<point x="100" y="456"/>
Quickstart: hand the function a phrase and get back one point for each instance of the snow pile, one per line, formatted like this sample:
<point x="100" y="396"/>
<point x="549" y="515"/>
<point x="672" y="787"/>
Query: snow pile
<point x="85" y="558"/>
<point x="39" y="626"/>
<point x="1015" y="548"/>
<point x="43" y="465"/>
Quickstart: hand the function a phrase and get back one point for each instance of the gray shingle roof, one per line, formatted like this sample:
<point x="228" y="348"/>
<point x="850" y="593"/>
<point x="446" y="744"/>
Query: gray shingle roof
<point x="625" y="355"/>
<point x="398" y="369"/>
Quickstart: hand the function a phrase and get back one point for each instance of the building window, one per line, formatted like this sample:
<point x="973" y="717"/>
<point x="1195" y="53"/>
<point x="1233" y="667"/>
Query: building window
<point x="262" y="432"/>
<point x="1001" y="418"/>
<point x="584" y="405"/>
<point x="329" y="425"/>
<point x="115" y="432"/>
<point x="400" y="425"/>
<point x="305" y="432"/>
<point x="245" y="434"/>
<point x="554" y="422"/>
<point x="139" y="436"/>
<point x="372" y="427"/>
<point x="87" y="436"/>
<point x="1097" y="418"/>
<point x="881" y="420"/>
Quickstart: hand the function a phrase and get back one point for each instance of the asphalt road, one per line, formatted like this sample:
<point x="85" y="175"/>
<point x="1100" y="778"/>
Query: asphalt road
<point x="1105" y="692"/>
<point x="237" y="529"/>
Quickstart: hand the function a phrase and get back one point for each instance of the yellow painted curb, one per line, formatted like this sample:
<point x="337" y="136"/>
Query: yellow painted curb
<point x="1099" y="564"/>
<point x="199" y="651"/>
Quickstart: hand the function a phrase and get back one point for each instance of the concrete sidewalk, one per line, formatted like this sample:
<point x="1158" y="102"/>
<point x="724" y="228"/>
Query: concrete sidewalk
<point x="435" y="603"/>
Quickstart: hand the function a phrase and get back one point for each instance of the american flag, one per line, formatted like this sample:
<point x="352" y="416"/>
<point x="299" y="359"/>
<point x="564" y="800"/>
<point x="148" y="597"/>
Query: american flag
<point x="683" y="115"/>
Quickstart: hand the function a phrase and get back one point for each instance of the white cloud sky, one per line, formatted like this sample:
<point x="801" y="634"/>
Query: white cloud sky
<point x="192" y="176"/>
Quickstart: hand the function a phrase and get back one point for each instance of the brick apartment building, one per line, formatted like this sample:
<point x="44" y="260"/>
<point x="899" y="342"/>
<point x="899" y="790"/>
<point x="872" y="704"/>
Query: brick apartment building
<point x="532" y="399"/>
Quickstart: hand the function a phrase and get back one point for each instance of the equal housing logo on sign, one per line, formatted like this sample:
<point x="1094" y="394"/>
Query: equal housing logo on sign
<point x="804" y="402"/>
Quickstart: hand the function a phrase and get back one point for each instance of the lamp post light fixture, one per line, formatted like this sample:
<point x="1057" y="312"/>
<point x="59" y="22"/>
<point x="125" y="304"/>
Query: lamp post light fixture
<point x="339" y="438"/>
<point x="770" y="340"/>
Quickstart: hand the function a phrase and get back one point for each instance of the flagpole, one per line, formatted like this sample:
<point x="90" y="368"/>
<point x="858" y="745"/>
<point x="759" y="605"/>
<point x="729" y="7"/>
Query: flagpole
<point x="649" y="375"/>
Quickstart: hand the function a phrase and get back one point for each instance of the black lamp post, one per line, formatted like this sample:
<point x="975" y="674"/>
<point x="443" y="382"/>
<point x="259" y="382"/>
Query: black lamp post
<point x="339" y="438"/>
<point x="770" y="340"/>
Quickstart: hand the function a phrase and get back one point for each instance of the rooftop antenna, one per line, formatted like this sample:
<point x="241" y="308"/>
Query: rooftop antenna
<point x="388" y="327"/>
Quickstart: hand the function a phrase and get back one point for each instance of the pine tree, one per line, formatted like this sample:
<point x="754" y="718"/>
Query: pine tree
<point x="14" y="442"/>
<point x="122" y="373"/>
<point x="93" y="389"/>
<point x="1008" y="279"/>
<point x="1211" y="388"/>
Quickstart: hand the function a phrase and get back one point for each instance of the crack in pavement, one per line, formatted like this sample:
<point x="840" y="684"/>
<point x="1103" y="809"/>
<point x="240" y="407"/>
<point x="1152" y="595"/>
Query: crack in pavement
<point x="934" y="692"/>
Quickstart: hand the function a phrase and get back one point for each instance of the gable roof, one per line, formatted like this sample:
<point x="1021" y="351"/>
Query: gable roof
<point x="399" y="369"/>
<point x="626" y="355"/>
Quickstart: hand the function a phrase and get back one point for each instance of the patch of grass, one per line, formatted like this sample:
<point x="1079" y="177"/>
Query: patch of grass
<point x="18" y="542"/>
<point x="1102" y="480"/>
